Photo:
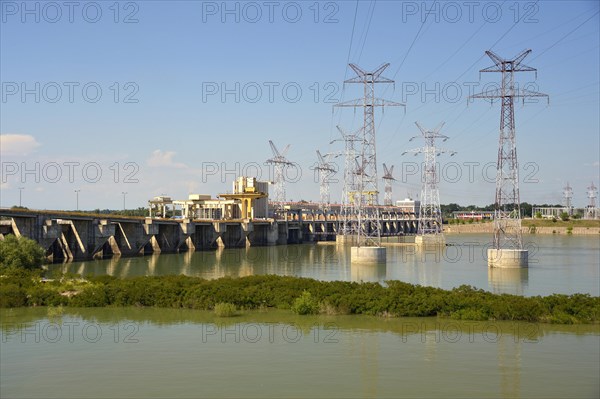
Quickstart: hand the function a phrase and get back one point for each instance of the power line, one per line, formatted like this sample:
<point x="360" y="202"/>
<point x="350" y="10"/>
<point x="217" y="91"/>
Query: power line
<point x="414" y="40"/>
<point x="366" y="30"/>
<point x="565" y="36"/>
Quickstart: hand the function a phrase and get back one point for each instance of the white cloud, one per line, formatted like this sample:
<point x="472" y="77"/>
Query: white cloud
<point x="164" y="159"/>
<point x="17" y="144"/>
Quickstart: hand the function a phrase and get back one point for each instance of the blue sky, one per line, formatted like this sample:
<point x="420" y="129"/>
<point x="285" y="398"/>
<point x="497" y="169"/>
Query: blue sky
<point x="166" y="93"/>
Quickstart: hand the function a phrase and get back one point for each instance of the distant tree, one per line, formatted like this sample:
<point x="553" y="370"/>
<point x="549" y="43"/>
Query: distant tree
<point x="538" y="215"/>
<point x="526" y="209"/>
<point x="447" y="210"/>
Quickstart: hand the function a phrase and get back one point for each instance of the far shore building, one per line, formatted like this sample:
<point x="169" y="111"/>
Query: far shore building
<point x="475" y="215"/>
<point x="409" y="206"/>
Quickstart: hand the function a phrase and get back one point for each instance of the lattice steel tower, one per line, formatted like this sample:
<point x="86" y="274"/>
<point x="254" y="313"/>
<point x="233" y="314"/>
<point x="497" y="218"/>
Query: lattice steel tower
<point x="507" y="208"/>
<point x="568" y="198"/>
<point x="388" y="178"/>
<point x="325" y="170"/>
<point x="348" y="207"/>
<point x="369" y="231"/>
<point x="280" y="162"/>
<point x="591" y="212"/>
<point x="430" y="213"/>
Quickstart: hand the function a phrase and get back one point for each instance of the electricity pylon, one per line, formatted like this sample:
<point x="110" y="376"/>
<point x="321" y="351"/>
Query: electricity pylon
<point x="325" y="170"/>
<point x="388" y="179"/>
<point x="369" y="223"/>
<point x="592" y="210"/>
<point x="348" y="206"/>
<point x="279" y="161"/>
<point x="507" y="208"/>
<point x="568" y="198"/>
<point x="430" y="214"/>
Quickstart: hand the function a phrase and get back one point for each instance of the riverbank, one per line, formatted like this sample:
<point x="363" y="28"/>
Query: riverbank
<point x="397" y="299"/>
<point x="533" y="226"/>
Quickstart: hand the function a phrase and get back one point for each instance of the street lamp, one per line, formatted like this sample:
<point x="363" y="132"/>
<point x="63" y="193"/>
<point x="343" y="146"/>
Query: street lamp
<point x="77" y="196"/>
<point x="124" y="194"/>
<point x="20" y="195"/>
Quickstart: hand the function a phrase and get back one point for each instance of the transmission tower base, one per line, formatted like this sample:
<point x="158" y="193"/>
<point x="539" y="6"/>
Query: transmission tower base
<point x="368" y="254"/>
<point x="508" y="258"/>
<point x="430" y="239"/>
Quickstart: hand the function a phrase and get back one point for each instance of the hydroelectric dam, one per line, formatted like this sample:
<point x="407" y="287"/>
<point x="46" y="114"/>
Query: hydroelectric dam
<point x="79" y="236"/>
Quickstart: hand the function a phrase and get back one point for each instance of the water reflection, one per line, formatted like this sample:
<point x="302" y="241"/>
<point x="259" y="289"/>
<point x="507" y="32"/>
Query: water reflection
<point x="368" y="356"/>
<point x="373" y="273"/>
<point x="565" y="265"/>
<point x="509" y="365"/>
<point x="417" y="264"/>
<point x="508" y="281"/>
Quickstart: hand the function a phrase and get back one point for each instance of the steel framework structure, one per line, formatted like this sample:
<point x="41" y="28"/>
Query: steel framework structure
<point x="592" y="210"/>
<point x="388" y="178"/>
<point x="430" y="213"/>
<point x="507" y="210"/>
<point x="348" y="209"/>
<point x="325" y="170"/>
<point x="568" y="198"/>
<point x="366" y="195"/>
<point x="280" y="162"/>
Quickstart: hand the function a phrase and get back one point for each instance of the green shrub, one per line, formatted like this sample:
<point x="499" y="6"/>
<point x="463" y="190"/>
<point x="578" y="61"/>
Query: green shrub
<point x="225" y="309"/>
<point x="90" y="297"/>
<point x="20" y="287"/>
<point x="305" y="304"/>
<point x="20" y="253"/>
<point x="12" y="296"/>
<point x="44" y="296"/>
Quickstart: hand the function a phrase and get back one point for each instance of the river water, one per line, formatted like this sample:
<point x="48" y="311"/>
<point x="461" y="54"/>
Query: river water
<point x="557" y="264"/>
<point x="184" y="353"/>
<point x="137" y="352"/>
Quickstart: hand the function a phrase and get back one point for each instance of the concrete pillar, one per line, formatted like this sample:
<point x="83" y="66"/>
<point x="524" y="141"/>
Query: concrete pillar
<point x="508" y="258"/>
<point x="247" y="230"/>
<point x="220" y="230"/>
<point x="430" y="239"/>
<point x="272" y="233"/>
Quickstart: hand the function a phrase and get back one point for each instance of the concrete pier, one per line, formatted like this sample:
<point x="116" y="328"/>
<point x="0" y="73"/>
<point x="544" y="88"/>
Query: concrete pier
<point x="430" y="239"/>
<point x="508" y="258"/>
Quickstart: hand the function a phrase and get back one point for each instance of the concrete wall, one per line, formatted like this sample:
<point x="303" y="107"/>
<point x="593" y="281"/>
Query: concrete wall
<point x="488" y="228"/>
